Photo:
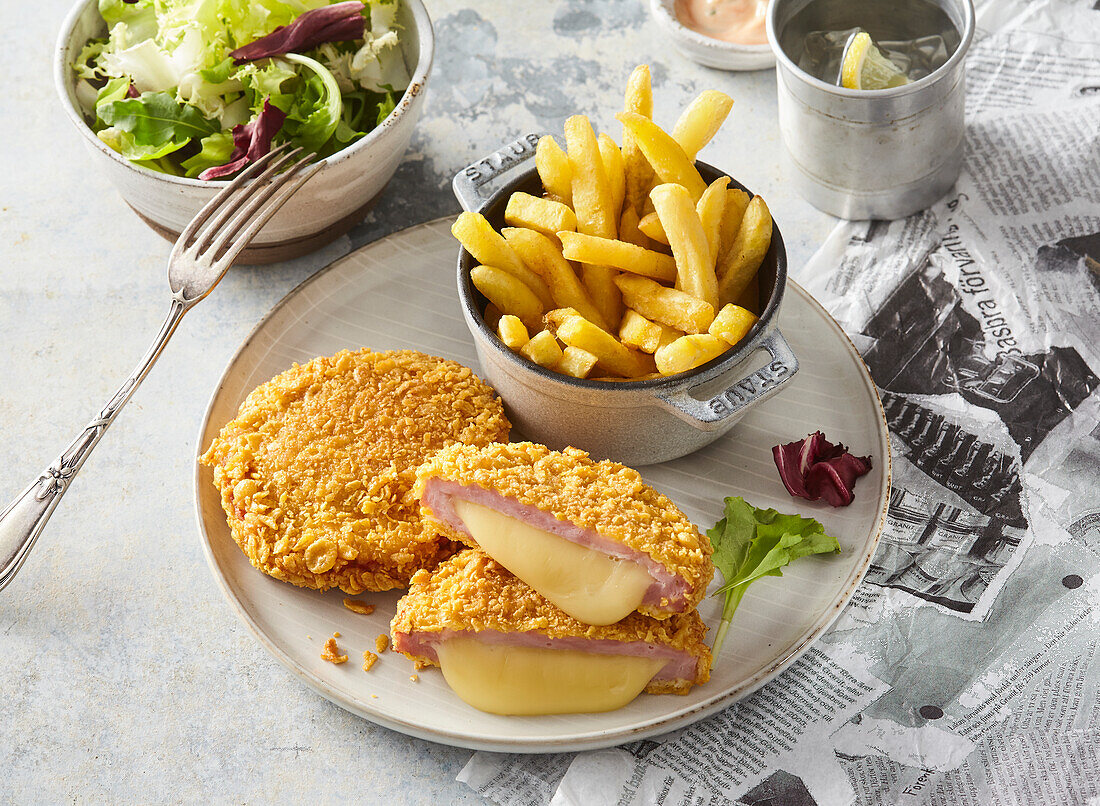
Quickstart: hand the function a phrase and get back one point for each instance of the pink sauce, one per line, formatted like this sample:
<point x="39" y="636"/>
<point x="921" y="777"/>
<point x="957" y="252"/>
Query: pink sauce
<point x="737" y="21"/>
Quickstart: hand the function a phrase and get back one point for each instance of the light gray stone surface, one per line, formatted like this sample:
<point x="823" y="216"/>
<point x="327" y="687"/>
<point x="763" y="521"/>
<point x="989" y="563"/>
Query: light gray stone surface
<point x="125" y="676"/>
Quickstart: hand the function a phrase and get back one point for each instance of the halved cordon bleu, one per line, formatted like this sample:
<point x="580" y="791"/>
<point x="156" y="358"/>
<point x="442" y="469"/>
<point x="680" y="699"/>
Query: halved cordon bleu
<point x="590" y="536"/>
<point x="505" y="649"/>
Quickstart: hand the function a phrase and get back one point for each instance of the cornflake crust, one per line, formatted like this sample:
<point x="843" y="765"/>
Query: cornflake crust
<point x="368" y="660"/>
<point x="606" y="497"/>
<point x="472" y="592"/>
<point x="331" y="652"/>
<point x="356" y="606"/>
<point x="316" y="471"/>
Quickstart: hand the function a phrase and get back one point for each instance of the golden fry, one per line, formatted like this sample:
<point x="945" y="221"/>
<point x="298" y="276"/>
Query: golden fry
<point x="592" y="197"/>
<point x="710" y="209"/>
<point x="732" y="323"/>
<point x="746" y="253"/>
<point x="750" y="297"/>
<point x="612" y="159"/>
<point x="736" y="202"/>
<point x="542" y="215"/>
<point x="593" y="204"/>
<point x="554" y="170"/>
<point x="508" y="294"/>
<point x="666" y="305"/>
<point x="638" y="332"/>
<point x="689" y="352"/>
<point x="553" y="319"/>
<point x="618" y="254"/>
<point x="694" y="264"/>
<point x="612" y="355"/>
<point x="543" y="349"/>
<point x="638" y="171"/>
<point x="628" y="228"/>
<point x="489" y="248"/>
<point x="575" y="362"/>
<point x="512" y="332"/>
<point x="701" y="120"/>
<point x="650" y="226"/>
<point x="544" y="256"/>
<point x="668" y="159"/>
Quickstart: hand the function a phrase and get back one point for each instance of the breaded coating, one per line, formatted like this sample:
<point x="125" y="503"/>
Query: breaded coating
<point x="471" y="591"/>
<point x="316" y="472"/>
<point x="331" y="652"/>
<point x="606" y="497"/>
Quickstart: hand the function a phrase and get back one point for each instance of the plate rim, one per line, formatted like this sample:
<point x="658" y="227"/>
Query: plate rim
<point x="589" y="740"/>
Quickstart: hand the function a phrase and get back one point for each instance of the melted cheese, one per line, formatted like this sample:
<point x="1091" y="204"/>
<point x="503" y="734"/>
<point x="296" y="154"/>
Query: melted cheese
<point x="520" y="680"/>
<point x="590" y="586"/>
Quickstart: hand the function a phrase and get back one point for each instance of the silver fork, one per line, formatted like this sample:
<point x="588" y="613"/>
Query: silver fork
<point x="202" y="255"/>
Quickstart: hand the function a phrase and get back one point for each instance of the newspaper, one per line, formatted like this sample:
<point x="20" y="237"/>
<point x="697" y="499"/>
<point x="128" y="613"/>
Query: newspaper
<point x="966" y="670"/>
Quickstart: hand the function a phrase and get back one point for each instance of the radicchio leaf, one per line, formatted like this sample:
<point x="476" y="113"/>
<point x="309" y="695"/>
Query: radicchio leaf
<point x="339" y="22"/>
<point x="250" y="141"/>
<point x="814" y="468"/>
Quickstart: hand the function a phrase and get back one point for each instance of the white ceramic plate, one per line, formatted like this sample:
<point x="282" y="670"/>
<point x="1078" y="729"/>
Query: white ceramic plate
<point x="400" y="293"/>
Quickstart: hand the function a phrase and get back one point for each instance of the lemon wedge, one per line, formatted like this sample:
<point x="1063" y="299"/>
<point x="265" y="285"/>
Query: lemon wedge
<point x="865" y="68"/>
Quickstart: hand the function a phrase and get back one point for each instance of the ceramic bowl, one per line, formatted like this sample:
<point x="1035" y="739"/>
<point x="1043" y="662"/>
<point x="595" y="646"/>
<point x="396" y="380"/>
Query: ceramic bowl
<point x="633" y="422"/>
<point x="326" y="207"/>
<point x="706" y="50"/>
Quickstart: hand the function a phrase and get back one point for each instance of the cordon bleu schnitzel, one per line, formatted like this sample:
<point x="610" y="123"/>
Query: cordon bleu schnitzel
<point x="590" y="536"/>
<point x="316" y="472"/>
<point x="504" y="648"/>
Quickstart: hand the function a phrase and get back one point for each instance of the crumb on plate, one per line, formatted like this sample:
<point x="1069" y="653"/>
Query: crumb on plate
<point x="368" y="660"/>
<point x="382" y="642"/>
<point x="356" y="606"/>
<point x="331" y="652"/>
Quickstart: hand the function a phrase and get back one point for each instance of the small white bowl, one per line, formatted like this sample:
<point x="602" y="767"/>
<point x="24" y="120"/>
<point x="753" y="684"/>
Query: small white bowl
<point x="706" y="50"/>
<point x="326" y="207"/>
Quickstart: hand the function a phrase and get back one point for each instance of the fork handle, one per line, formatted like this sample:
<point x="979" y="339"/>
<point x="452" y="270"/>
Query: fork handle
<point x="24" y="518"/>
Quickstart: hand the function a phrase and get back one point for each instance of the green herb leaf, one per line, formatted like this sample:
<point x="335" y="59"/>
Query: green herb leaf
<point x="750" y="543"/>
<point x="216" y="150"/>
<point x="156" y="118"/>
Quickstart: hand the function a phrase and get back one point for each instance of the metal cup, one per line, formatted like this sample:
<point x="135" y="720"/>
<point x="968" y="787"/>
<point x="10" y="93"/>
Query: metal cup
<point x="869" y="154"/>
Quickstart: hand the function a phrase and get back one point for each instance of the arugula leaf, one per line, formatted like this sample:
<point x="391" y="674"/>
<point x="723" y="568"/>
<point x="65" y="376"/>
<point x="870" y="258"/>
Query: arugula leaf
<point x="750" y="543"/>
<point x="156" y="118"/>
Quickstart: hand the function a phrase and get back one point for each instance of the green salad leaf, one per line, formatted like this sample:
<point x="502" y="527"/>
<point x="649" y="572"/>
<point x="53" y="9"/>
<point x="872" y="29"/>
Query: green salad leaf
<point x="156" y="118"/>
<point x="216" y="150"/>
<point x="313" y="117"/>
<point x="750" y="543"/>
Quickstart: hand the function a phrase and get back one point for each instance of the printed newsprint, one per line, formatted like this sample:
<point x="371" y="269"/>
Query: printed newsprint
<point x="965" y="671"/>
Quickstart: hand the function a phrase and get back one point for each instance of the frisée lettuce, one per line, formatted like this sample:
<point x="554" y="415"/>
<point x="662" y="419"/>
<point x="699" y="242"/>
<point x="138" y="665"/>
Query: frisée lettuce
<point x="180" y="86"/>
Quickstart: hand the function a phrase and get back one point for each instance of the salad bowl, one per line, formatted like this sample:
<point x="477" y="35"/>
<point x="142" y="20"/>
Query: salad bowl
<point x="335" y="200"/>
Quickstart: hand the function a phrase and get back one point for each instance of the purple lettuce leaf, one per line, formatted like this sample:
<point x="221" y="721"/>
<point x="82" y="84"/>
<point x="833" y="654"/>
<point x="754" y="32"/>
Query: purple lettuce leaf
<point x="250" y="141"/>
<point x="814" y="468"/>
<point x="339" y="22"/>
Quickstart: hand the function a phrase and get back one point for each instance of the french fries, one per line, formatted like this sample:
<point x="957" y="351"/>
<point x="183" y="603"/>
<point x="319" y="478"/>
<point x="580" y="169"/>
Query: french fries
<point x="508" y="294"/>
<point x="668" y="159"/>
<point x="575" y="362"/>
<point x="609" y="351"/>
<point x="512" y="332"/>
<point x="638" y="171"/>
<point x="628" y="266"/>
<point x="650" y="226"/>
<point x="746" y="252"/>
<point x="711" y="207"/>
<point x="554" y="170"/>
<point x="689" y="352"/>
<point x="638" y="332"/>
<point x="665" y="305"/>
<point x="612" y="159"/>
<point x="732" y="214"/>
<point x="542" y="215"/>
<point x="618" y="254"/>
<point x="544" y="256"/>
<point x="489" y="248"/>
<point x="543" y="349"/>
<point x="700" y="121"/>
<point x="732" y="323"/>
<point x="694" y="263"/>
